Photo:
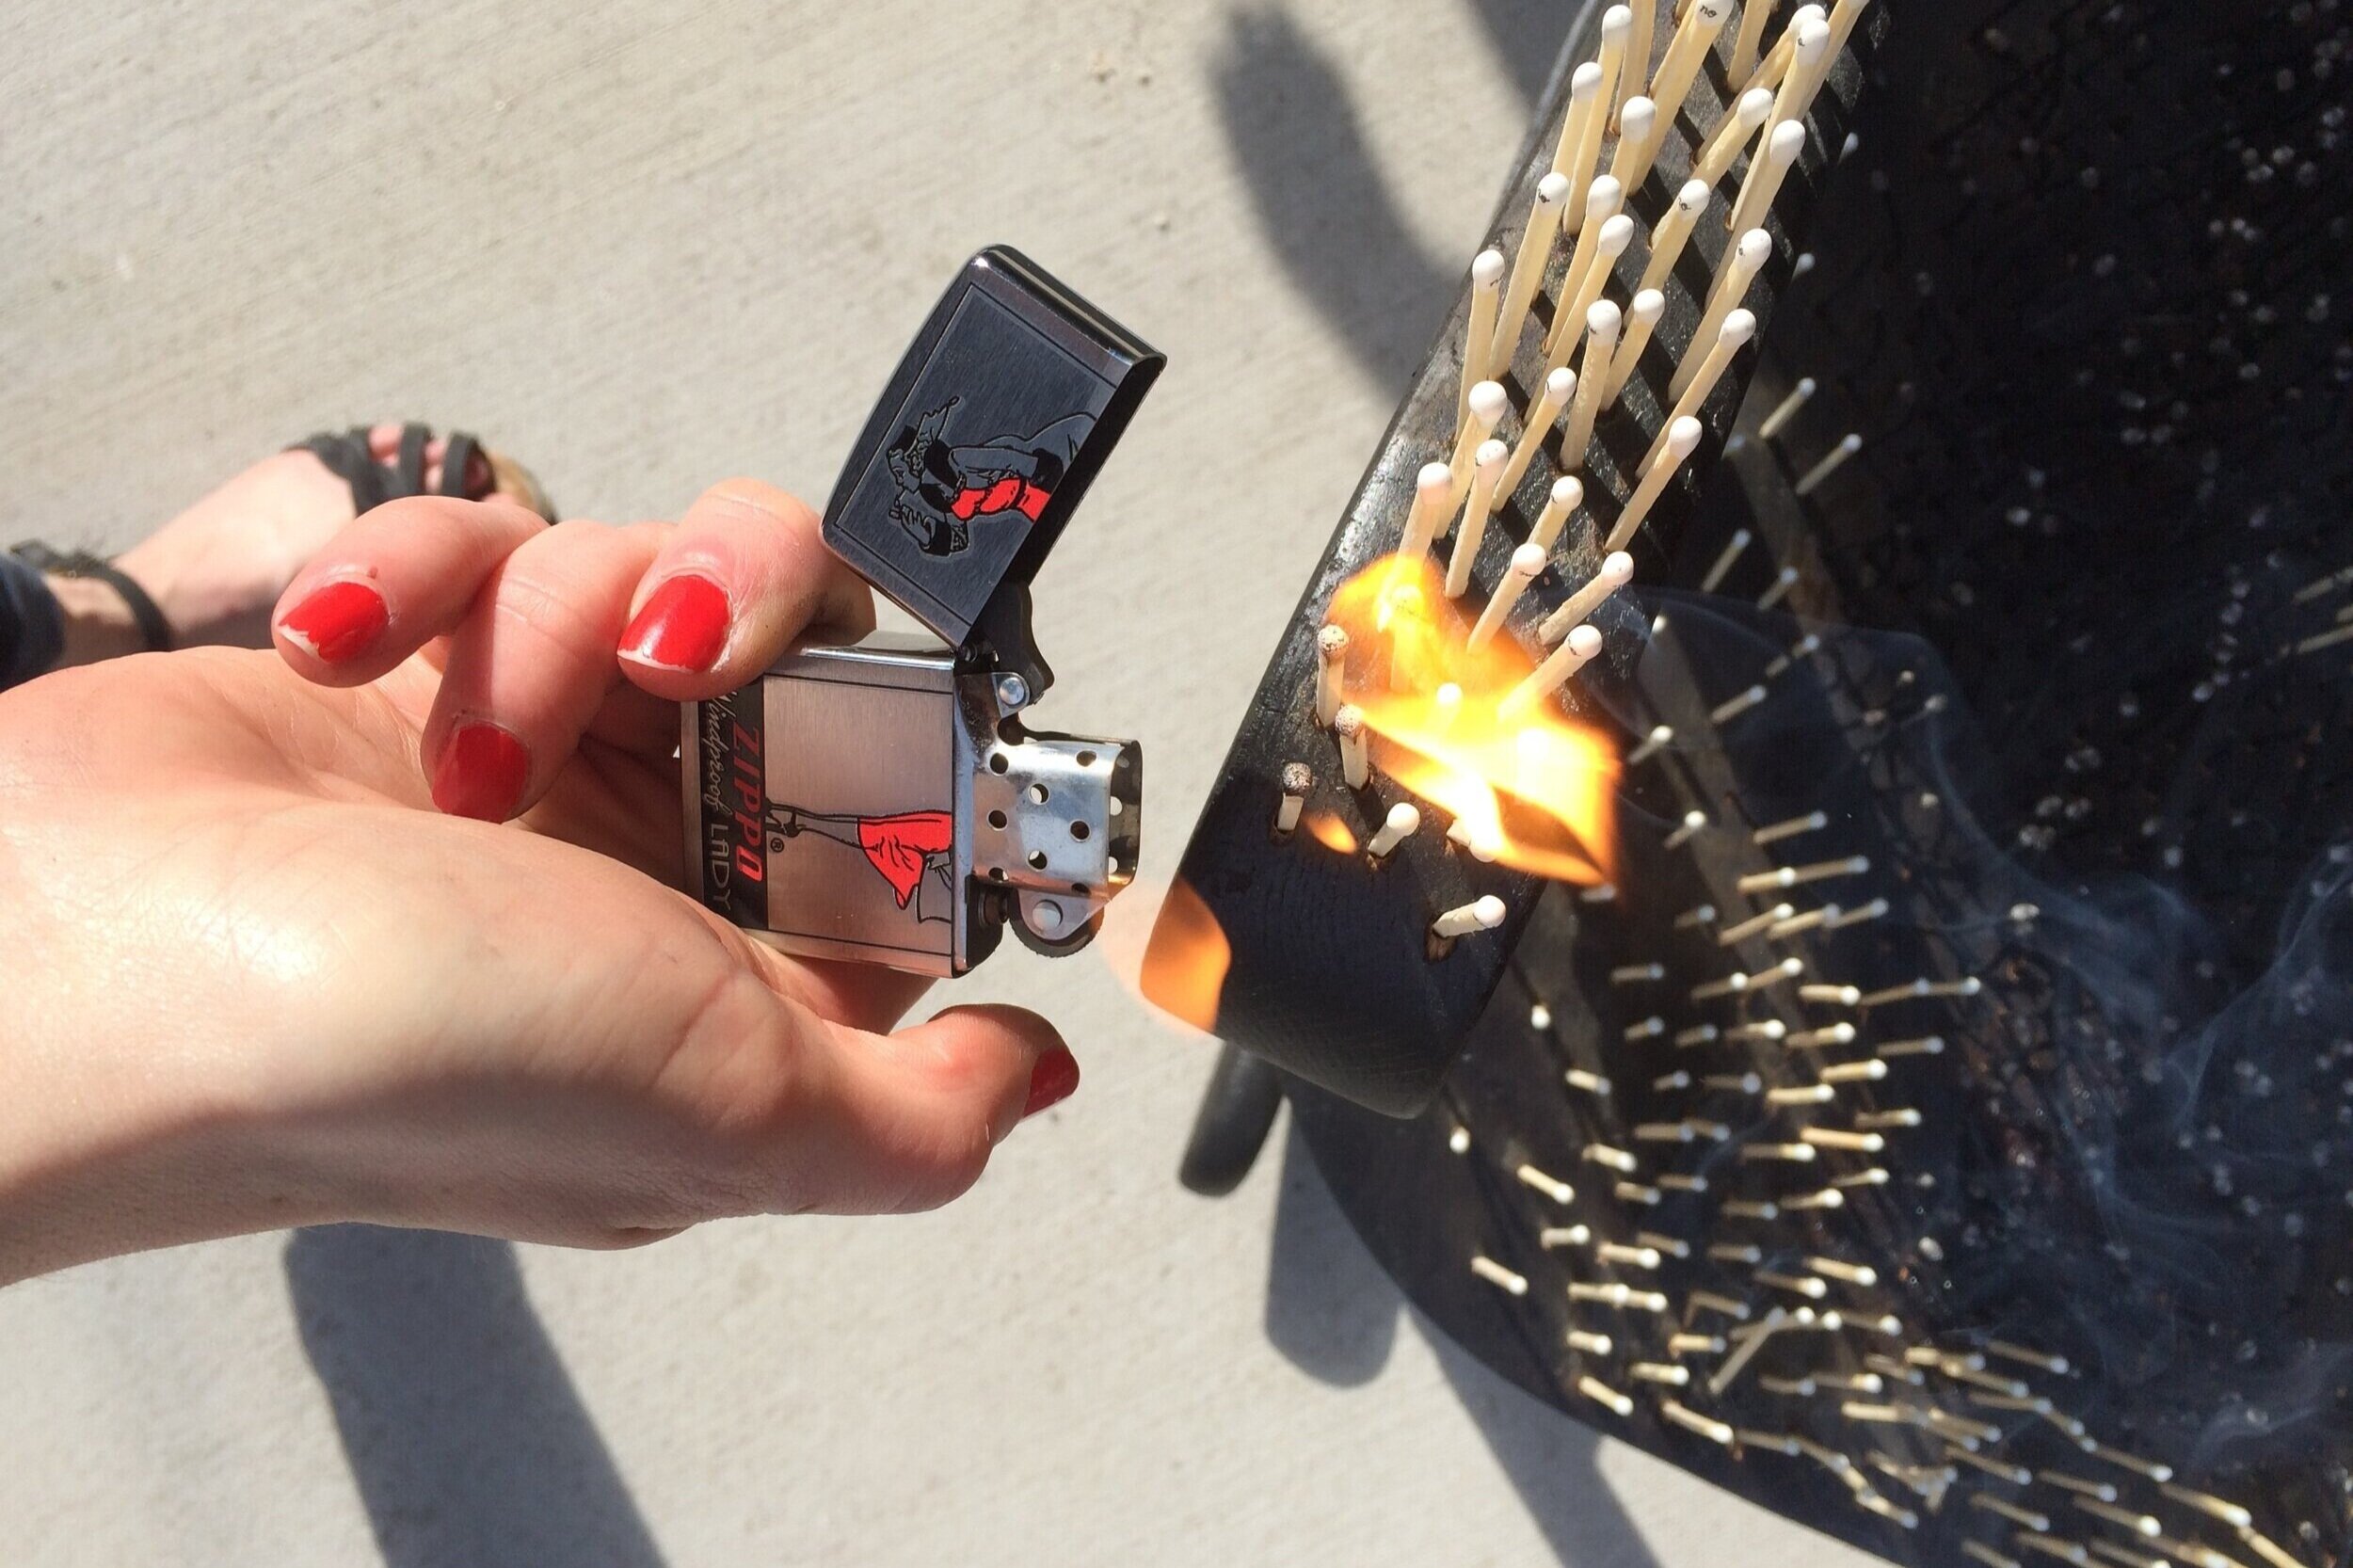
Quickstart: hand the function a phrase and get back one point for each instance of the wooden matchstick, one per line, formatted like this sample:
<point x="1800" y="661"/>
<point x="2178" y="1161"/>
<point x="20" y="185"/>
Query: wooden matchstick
<point x="1526" y="561"/>
<point x="1683" y="439"/>
<point x="1566" y="495"/>
<point x="1812" y="479"/>
<point x="1774" y="66"/>
<point x="1528" y="270"/>
<point x="1356" y="756"/>
<point x="1601" y="345"/>
<point x="1809" y="63"/>
<point x="1488" y="401"/>
<point x="1722" y="568"/>
<point x="1751" y="38"/>
<point x="1786" y="409"/>
<point x="1638" y="136"/>
<point x="1617" y="570"/>
<point x="1635" y="73"/>
<point x="1433" y="490"/>
<point x="1617" y="25"/>
<point x="1601" y="1393"/>
<point x="1497" y="1275"/>
<point x="1731" y="134"/>
<point x="1843" y="17"/>
<point x="1781" y="146"/>
<point x="1617" y="234"/>
<point x="1694" y="37"/>
<point x="1488" y="468"/>
<point x="1559" y="386"/>
<point x="1673" y="229"/>
<point x="1402" y="823"/>
<point x="1732" y="335"/>
<point x="1298" y="778"/>
<point x="1574" y="654"/>
<point x="1550" y="1186"/>
<point x="1741" y="263"/>
<point x="1645" y="311"/>
<point x="1482" y="914"/>
<point x="1572" y="160"/>
<point x="1331" y="669"/>
<point x="1603" y="200"/>
<point x="1478" y="338"/>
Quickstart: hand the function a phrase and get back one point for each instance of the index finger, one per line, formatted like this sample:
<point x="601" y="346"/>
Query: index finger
<point x="744" y="575"/>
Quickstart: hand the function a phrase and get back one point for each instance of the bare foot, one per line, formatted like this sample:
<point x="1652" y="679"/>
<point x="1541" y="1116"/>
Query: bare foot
<point x="216" y="569"/>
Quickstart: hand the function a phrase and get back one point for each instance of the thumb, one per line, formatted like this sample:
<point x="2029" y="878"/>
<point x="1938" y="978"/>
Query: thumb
<point x="925" y="1106"/>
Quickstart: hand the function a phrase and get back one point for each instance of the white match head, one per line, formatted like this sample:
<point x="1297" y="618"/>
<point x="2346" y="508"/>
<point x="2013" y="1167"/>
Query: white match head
<point x="1616" y="23"/>
<point x="1813" y="37"/>
<point x="1560" y="386"/>
<point x="1487" y="268"/>
<point x="1683" y="437"/>
<point x="1434" y="480"/>
<point x="1617" y="569"/>
<point x="1404" y="817"/>
<point x="1754" y="247"/>
<point x="1788" y="141"/>
<point x="1528" y="560"/>
<point x="1487" y="402"/>
<point x="1491" y="458"/>
<point x="1738" y="328"/>
<point x="1634" y="117"/>
<point x="1585" y="80"/>
<point x="1615" y="236"/>
<point x="1584" y="642"/>
<point x="1568" y="492"/>
<point x="1754" y="105"/>
<point x="1693" y="197"/>
<point x="1605" y="196"/>
<point x="1489" y="911"/>
<point x="1647" y="308"/>
<point x="1602" y="320"/>
<point x="1552" y="189"/>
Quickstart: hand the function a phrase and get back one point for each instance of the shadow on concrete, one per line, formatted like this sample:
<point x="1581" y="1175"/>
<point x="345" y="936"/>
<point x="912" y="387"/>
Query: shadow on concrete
<point x="468" y="1441"/>
<point x="1333" y="1313"/>
<point x="1328" y="210"/>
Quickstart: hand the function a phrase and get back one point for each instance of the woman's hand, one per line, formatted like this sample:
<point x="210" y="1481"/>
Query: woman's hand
<point x="384" y="926"/>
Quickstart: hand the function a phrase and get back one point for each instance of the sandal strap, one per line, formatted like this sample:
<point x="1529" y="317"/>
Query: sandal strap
<point x="350" y="457"/>
<point x="154" y="630"/>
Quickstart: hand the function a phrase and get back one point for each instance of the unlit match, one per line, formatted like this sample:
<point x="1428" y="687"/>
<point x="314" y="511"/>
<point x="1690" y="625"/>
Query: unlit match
<point x="1559" y="386"/>
<point x="1616" y="572"/>
<point x="1682" y="439"/>
<point x="1497" y="1275"/>
<point x="1528" y="271"/>
<point x="1550" y="1186"/>
<point x="1581" y="648"/>
<point x="1673" y="230"/>
<point x="1479" y="336"/>
<point x="1488" y="402"/>
<point x="1813" y="478"/>
<point x="1724" y="145"/>
<point x="1486" y="470"/>
<point x="1347" y="724"/>
<point x="1566" y="495"/>
<point x="1644" y="312"/>
<point x="1788" y="409"/>
<point x="1433" y="497"/>
<point x="1482" y="914"/>
<point x="1402" y="823"/>
<point x="1526" y="561"/>
<point x="1602" y="322"/>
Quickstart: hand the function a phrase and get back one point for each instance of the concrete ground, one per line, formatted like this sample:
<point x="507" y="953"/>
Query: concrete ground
<point x="645" y="247"/>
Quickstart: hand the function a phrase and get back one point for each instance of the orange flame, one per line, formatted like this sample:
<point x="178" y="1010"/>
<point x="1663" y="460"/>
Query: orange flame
<point x="1184" y="966"/>
<point x="1539" y="794"/>
<point x="1329" y="831"/>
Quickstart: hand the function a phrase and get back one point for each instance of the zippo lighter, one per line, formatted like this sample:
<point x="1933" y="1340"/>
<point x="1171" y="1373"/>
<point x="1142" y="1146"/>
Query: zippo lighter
<point x="883" y="801"/>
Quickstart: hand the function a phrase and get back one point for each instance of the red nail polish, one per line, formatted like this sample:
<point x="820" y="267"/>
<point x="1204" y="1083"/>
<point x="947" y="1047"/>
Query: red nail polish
<point x="337" y="622"/>
<point x="482" y="772"/>
<point x="1054" y="1079"/>
<point x="683" y="627"/>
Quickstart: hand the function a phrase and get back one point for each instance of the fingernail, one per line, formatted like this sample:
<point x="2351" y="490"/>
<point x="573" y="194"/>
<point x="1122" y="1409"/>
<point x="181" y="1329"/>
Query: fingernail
<point x="337" y="622"/>
<point x="1054" y="1079"/>
<point x="683" y="627"/>
<point x="482" y="772"/>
